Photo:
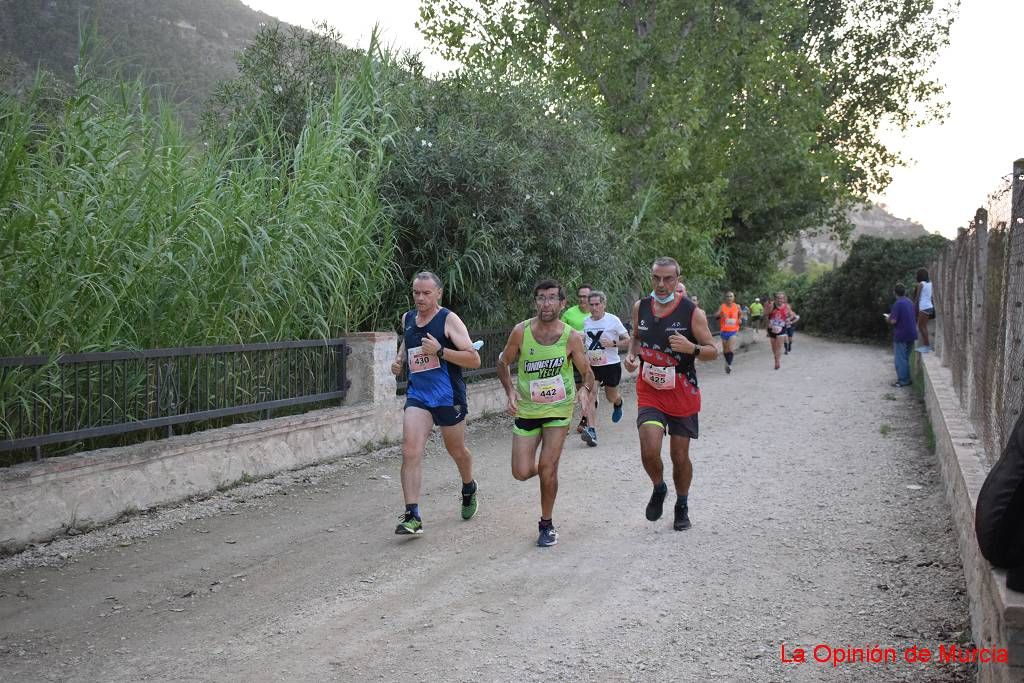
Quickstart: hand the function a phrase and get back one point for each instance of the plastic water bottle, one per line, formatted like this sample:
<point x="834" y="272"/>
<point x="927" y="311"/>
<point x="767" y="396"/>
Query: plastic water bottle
<point x="478" y="344"/>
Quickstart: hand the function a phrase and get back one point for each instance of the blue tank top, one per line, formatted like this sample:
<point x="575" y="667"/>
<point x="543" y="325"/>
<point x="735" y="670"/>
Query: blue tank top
<point x="432" y="380"/>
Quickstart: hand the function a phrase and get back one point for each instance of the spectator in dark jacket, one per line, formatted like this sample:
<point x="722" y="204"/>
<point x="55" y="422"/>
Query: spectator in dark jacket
<point x="903" y="319"/>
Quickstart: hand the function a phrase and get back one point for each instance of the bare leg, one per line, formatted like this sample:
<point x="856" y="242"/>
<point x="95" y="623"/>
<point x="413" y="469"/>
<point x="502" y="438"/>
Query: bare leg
<point x="455" y="442"/>
<point x="777" y="350"/>
<point x="650" y="452"/>
<point x="524" y="456"/>
<point x="416" y="426"/>
<point x="552" y="440"/>
<point x="682" y="468"/>
<point x="922" y="327"/>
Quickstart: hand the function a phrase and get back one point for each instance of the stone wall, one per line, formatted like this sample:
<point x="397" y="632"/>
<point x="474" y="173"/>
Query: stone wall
<point x="997" y="614"/>
<point x="40" y="500"/>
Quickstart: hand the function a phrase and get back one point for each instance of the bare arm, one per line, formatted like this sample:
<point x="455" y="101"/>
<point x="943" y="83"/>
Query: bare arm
<point x="466" y="356"/>
<point x="579" y="358"/>
<point x="508" y="356"/>
<point x="634" y="342"/>
<point x="706" y="341"/>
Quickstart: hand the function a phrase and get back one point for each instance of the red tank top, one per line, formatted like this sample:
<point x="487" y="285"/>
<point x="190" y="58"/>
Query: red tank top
<point x="683" y="398"/>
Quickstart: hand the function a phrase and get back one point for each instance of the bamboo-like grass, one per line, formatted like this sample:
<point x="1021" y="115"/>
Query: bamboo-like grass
<point x="117" y="231"/>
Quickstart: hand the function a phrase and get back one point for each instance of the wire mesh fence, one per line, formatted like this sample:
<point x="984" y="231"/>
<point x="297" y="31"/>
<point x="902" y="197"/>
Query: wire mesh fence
<point x="978" y="285"/>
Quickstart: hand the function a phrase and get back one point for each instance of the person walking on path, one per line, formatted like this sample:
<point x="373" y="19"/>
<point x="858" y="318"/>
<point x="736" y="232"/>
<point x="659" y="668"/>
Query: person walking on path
<point x="543" y="396"/>
<point x="904" y="333"/>
<point x="436" y="345"/>
<point x="925" y="308"/>
<point x="756" y="313"/>
<point x="777" y="314"/>
<point x="574" y="317"/>
<point x="791" y="320"/>
<point x="669" y="334"/>
<point x="729" y="325"/>
<point x="604" y="333"/>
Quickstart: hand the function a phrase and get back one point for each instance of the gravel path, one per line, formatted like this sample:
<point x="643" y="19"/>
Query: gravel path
<point x="818" y="518"/>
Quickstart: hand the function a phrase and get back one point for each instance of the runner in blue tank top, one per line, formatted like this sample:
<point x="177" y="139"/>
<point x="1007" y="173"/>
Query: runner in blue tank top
<point x="436" y="346"/>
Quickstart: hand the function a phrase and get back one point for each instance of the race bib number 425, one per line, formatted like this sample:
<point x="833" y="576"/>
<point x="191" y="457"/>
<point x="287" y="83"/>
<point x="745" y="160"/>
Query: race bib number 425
<point x="660" y="377"/>
<point x="421" y="362"/>
<point x="547" y="390"/>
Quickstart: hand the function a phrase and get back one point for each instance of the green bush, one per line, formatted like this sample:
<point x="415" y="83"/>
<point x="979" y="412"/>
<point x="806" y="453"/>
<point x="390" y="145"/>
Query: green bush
<point x="492" y="192"/>
<point x="849" y="301"/>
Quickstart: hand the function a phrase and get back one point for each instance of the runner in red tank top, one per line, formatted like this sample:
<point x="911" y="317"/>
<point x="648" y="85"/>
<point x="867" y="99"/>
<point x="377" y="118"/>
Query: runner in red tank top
<point x="669" y="333"/>
<point x="777" y="314"/>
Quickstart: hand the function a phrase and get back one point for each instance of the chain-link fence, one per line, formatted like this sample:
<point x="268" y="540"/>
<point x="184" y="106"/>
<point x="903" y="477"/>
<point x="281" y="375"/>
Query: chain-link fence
<point x="978" y="290"/>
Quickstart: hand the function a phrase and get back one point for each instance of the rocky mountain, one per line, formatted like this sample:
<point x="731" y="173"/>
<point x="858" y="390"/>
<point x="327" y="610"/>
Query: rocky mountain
<point x="182" y="46"/>
<point x="874" y="221"/>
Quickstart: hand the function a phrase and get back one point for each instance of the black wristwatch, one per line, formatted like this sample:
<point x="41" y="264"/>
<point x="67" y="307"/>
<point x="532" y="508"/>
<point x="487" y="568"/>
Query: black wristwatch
<point x="440" y="352"/>
<point x="696" y="351"/>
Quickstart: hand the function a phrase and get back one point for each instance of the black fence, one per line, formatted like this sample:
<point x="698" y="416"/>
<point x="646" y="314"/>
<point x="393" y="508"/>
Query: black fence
<point x="82" y="396"/>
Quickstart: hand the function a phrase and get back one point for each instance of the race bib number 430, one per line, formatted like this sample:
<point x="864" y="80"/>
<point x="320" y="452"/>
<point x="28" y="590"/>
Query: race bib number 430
<point x="660" y="377"/>
<point x="421" y="362"/>
<point x="547" y="390"/>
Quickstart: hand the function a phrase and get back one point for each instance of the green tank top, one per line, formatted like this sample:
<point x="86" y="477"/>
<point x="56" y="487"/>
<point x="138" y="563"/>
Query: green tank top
<point x="544" y="377"/>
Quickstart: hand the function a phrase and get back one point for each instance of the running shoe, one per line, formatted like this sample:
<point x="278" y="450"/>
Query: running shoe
<point x="581" y="426"/>
<point x="728" y="369"/>
<point x="682" y="520"/>
<point x="589" y="436"/>
<point x="469" y="505"/>
<point x="547" y="537"/>
<point x="923" y="349"/>
<point x="657" y="502"/>
<point x="409" y="526"/>
<point x="617" y="412"/>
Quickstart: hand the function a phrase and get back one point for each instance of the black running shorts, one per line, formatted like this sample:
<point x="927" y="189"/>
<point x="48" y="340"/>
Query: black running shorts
<point x="608" y="375"/>
<point x="675" y="426"/>
<point x="444" y="416"/>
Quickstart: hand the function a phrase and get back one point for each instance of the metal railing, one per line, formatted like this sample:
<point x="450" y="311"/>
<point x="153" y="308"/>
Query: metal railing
<point x="46" y="400"/>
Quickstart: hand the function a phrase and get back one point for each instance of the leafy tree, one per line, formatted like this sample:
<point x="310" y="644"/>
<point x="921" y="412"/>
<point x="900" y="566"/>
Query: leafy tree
<point x="739" y="123"/>
<point x="489" y="185"/>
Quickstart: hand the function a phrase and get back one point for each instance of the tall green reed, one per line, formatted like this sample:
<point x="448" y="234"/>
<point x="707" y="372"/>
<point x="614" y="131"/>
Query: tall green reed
<point x="118" y="231"/>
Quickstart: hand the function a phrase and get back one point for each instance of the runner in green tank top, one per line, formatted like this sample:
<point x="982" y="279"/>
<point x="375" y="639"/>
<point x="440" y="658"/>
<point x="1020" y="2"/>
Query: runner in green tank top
<point x="543" y="395"/>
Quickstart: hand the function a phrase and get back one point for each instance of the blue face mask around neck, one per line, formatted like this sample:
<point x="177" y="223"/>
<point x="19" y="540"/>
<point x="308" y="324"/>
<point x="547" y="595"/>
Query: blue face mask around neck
<point x="667" y="300"/>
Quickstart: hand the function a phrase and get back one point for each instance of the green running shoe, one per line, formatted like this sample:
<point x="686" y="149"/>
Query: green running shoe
<point x="469" y="505"/>
<point x="409" y="526"/>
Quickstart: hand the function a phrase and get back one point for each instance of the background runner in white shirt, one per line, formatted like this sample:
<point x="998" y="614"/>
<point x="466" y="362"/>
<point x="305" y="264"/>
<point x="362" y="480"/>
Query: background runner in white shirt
<point x="603" y="333"/>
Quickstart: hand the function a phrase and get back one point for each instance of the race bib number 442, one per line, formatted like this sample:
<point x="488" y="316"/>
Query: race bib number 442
<point x="421" y="362"/>
<point x="547" y="390"/>
<point x="660" y="377"/>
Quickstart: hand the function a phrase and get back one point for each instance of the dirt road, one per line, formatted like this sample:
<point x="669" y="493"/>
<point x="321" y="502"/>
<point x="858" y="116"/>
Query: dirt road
<point x="818" y="519"/>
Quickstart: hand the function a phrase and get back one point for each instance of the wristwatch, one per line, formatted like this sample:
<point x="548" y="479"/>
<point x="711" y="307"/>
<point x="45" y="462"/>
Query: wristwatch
<point x="440" y="352"/>
<point x="696" y="351"/>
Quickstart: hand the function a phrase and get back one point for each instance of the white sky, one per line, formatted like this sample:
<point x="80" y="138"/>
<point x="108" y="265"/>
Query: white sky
<point x="953" y="166"/>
